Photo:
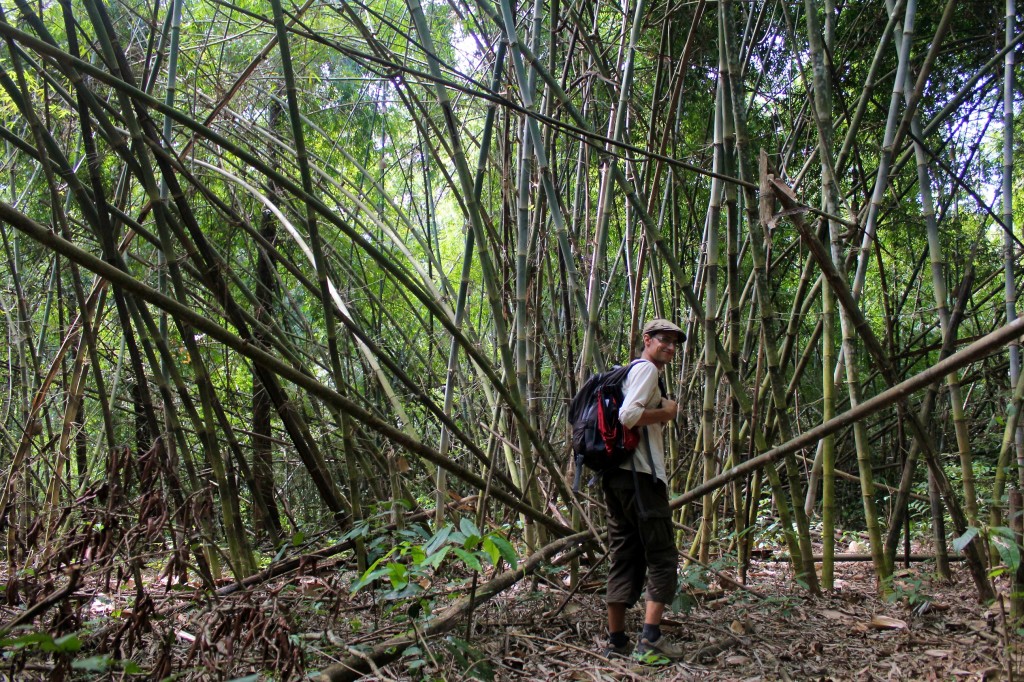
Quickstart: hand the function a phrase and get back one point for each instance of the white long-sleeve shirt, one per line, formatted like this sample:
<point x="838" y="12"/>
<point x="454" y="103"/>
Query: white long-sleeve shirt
<point x="639" y="392"/>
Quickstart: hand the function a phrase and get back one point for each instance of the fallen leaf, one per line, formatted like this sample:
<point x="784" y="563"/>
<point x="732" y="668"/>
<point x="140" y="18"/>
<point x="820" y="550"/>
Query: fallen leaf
<point x="937" y="653"/>
<point x="833" y="615"/>
<point x="737" y="660"/>
<point x="887" y="623"/>
<point x="741" y="627"/>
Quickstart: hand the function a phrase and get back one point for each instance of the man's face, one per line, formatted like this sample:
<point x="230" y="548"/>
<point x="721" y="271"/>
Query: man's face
<point x="660" y="347"/>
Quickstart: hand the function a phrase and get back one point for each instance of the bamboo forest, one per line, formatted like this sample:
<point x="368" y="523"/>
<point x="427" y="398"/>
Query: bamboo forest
<point x="295" y="296"/>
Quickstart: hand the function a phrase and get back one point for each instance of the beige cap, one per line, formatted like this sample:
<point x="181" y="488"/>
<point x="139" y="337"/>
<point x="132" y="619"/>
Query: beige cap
<point x="660" y="325"/>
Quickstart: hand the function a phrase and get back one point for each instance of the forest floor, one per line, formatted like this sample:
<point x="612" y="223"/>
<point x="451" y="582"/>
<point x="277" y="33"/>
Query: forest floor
<point x="774" y="632"/>
<point x="294" y="626"/>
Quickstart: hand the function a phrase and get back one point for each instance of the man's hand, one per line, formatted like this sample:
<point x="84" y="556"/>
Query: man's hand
<point x="671" y="408"/>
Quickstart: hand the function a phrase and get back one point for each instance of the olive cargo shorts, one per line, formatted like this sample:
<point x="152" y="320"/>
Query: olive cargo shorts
<point x="639" y="547"/>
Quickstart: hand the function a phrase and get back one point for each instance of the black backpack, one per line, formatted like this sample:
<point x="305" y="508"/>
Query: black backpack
<point x="599" y="440"/>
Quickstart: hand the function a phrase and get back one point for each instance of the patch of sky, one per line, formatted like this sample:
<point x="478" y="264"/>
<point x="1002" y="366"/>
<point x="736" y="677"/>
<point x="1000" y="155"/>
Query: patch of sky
<point x="466" y="49"/>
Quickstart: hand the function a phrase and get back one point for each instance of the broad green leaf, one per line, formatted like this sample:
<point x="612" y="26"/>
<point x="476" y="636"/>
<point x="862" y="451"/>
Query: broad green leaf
<point x="492" y="550"/>
<point x="436" y="558"/>
<point x="398" y="574"/>
<point x="508" y="552"/>
<point x="438" y="540"/>
<point x="1001" y="531"/>
<point x="94" y="664"/>
<point x="468" y="558"/>
<point x="359" y="530"/>
<point x="1008" y="550"/>
<point x="368" y="578"/>
<point x="965" y="539"/>
<point x="67" y="644"/>
<point x="469" y="528"/>
<point x="27" y="640"/>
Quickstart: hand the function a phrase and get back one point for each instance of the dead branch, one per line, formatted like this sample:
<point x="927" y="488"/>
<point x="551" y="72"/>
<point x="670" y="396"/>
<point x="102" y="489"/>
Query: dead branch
<point x="44" y="604"/>
<point x="711" y="650"/>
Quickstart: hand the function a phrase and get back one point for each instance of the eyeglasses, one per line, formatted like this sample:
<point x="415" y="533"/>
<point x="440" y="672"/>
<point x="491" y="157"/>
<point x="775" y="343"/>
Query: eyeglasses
<point x="667" y="340"/>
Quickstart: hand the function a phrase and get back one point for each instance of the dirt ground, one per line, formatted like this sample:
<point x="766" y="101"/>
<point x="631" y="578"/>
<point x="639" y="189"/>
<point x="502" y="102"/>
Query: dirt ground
<point x="934" y="632"/>
<point x="298" y="625"/>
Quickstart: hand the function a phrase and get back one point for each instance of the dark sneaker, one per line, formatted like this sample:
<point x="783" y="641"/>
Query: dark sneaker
<point x="621" y="651"/>
<point x="661" y="647"/>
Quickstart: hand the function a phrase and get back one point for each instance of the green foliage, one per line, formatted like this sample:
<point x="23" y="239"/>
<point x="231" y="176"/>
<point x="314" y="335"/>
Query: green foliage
<point x="67" y="646"/>
<point x="1005" y="542"/>
<point x="651" y="658"/>
<point x="907" y="587"/>
<point x="782" y="603"/>
<point x="999" y="537"/>
<point x="105" y="664"/>
<point x="43" y="641"/>
<point x="961" y="542"/>
<point x="411" y="564"/>
<point x="473" y="663"/>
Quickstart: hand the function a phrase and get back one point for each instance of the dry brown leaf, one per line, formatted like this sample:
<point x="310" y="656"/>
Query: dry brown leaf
<point x="937" y="653"/>
<point x="741" y="627"/>
<point x="833" y="615"/>
<point x="887" y="623"/>
<point x="737" y="660"/>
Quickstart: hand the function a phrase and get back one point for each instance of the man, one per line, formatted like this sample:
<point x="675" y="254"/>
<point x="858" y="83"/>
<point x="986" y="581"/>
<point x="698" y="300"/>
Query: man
<point x="640" y="534"/>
